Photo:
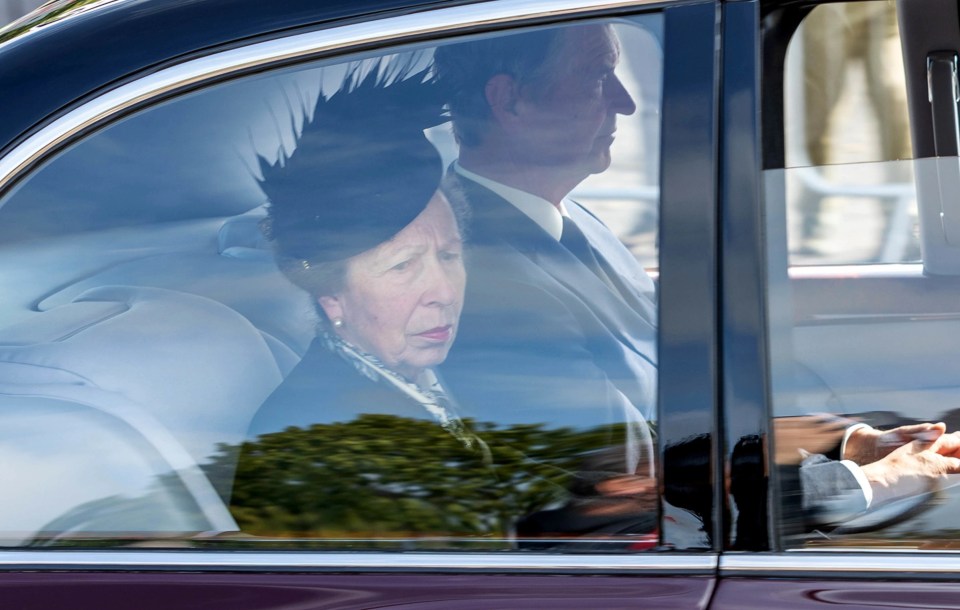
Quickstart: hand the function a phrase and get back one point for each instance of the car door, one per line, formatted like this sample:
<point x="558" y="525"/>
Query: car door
<point x="848" y="306"/>
<point x="145" y="321"/>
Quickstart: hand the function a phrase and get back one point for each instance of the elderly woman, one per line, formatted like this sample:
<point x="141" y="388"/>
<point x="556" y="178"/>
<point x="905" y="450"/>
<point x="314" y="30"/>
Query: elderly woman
<point x="356" y="220"/>
<point x="361" y="439"/>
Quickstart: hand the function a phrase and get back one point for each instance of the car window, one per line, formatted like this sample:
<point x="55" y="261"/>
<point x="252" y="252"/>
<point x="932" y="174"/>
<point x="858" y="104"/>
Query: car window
<point x="394" y="300"/>
<point x="861" y="322"/>
<point x="850" y="193"/>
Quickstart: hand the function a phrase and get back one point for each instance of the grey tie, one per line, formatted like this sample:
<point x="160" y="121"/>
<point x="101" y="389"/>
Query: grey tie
<point x="576" y="243"/>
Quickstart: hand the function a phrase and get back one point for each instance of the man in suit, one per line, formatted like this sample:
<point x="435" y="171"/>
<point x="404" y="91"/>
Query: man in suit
<point x="559" y="321"/>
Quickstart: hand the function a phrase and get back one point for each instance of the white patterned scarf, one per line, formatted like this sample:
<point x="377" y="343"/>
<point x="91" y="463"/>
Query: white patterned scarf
<point x="434" y="399"/>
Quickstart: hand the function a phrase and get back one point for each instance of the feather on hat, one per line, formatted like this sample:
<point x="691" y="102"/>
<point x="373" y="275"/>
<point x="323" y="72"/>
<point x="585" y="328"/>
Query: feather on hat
<point x="361" y="169"/>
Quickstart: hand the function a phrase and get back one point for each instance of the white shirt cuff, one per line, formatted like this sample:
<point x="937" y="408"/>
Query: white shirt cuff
<point x="846" y="436"/>
<point x="861" y="479"/>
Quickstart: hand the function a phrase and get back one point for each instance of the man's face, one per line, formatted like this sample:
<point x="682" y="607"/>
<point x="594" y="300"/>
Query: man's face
<point x="569" y="116"/>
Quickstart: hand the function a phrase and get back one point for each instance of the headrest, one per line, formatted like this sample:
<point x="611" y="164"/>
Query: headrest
<point x="243" y="233"/>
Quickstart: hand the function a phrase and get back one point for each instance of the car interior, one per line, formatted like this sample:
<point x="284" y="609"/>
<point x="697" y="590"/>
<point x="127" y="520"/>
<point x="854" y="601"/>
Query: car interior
<point x="869" y="334"/>
<point x="144" y="308"/>
<point x="176" y="329"/>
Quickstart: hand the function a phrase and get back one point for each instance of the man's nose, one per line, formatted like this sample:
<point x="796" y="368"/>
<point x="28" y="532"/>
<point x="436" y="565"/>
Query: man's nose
<point x="619" y="98"/>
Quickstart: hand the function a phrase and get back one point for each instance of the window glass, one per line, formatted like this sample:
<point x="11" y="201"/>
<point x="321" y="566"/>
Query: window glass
<point x="864" y="382"/>
<point x="850" y="197"/>
<point x="306" y="309"/>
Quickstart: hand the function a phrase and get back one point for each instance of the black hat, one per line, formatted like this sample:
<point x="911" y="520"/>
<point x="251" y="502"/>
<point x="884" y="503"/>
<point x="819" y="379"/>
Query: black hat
<point x="361" y="170"/>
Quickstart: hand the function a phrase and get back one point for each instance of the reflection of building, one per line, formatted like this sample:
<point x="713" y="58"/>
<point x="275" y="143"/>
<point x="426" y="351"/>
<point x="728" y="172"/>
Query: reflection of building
<point x="14" y="9"/>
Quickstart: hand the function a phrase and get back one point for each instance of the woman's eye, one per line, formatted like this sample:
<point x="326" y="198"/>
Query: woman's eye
<point x="401" y="266"/>
<point x="450" y="256"/>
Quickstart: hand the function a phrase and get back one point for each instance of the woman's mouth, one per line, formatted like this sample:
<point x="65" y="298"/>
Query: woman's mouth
<point x="439" y="334"/>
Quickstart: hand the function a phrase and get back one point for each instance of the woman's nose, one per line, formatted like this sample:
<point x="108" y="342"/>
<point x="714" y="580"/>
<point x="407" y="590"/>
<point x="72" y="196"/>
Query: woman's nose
<point x="441" y="285"/>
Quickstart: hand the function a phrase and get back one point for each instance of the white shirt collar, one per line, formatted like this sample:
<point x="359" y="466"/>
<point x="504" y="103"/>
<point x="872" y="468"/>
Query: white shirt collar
<point x="538" y="209"/>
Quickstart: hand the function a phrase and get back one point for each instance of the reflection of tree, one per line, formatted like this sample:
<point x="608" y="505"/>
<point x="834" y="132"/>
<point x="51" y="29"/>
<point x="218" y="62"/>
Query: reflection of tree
<point x="382" y="475"/>
<point x="50" y="15"/>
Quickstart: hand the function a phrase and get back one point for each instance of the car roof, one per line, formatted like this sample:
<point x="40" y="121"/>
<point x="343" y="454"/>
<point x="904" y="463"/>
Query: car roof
<point x="65" y="51"/>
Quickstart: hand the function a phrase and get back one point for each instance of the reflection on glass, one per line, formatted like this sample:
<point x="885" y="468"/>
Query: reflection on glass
<point x="214" y="411"/>
<point x="862" y="213"/>
<point x="863" y="359"/>
<point x="845" y="105"/>
<point x="390" y="477"/>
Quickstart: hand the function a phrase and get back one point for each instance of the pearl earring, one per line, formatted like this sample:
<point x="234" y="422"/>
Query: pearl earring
<point x="338" y="323"/>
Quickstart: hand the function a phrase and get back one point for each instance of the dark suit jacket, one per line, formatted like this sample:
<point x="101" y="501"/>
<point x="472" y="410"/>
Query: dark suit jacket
<point x="541" y="338"/>
<point x="324" y="388"/>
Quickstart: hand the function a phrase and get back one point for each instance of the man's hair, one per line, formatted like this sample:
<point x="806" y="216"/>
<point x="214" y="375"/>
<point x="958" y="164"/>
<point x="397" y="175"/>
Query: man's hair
<point x="464" y="69"/>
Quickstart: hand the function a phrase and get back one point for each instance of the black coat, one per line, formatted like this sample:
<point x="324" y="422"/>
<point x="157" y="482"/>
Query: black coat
<point x="324" y="388"/>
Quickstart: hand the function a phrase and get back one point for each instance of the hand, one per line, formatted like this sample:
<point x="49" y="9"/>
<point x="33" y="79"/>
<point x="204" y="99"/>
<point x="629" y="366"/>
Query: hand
<point x="810" y="433"/>
<point x="948" y="445"/>
<point x="867" y="445"/>
<point x="915" y="468"/>
<point x="626" y="494"/>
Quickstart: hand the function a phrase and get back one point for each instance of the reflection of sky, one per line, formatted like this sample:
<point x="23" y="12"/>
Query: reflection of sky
<point x="189" y="158"/>
<point x="195" y="156"/>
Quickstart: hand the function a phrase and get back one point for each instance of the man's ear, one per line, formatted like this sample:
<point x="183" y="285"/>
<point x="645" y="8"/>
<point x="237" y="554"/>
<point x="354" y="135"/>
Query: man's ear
<point x="502" y="93"/>
<point x="332" y="306"/>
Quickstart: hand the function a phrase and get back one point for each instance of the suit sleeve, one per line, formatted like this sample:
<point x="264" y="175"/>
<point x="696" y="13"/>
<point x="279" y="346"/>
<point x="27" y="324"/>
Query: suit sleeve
<point x="831" y="493"/>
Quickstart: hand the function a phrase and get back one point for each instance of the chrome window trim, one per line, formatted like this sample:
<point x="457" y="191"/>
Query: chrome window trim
<point x="866" y="270"/>
<point x="258" y="55"/>
<point x="843" y="563"/>
<point x="636" y="563"/>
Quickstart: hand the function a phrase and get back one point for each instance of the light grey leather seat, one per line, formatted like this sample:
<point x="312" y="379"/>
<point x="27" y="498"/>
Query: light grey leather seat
<point x="179" y="372"/>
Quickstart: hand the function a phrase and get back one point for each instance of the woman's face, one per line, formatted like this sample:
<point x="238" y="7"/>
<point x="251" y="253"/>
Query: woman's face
<point x="401" y="301"/>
